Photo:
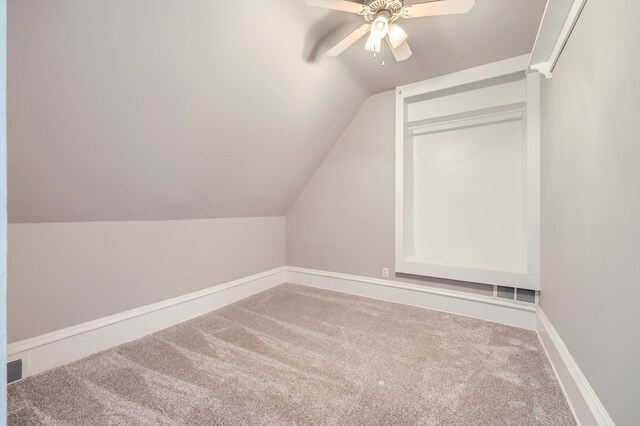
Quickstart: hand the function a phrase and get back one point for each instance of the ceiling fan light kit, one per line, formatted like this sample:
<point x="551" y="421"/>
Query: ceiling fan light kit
<point x="381" y="16"/>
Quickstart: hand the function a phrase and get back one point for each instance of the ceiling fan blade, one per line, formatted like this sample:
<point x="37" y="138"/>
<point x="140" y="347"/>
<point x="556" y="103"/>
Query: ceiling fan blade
<point x="341" y="5"/>
<point x="435" y="8"/>
<point x="402" y="52"/>
<point x="349" y="40"/>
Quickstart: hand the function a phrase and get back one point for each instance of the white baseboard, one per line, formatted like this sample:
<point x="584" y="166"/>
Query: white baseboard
<point x="54" y="349"/>
<point x="60" y="347"/>
<point x="586" y="407"/>
<point x="455" y="302"/>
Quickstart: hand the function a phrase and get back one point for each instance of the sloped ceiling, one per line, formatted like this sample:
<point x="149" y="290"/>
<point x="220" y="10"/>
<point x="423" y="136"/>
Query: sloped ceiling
<point x="174" y="109"/>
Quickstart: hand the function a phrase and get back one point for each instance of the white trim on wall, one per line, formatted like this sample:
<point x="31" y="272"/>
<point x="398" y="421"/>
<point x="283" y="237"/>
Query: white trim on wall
<point x="54" y="349"/>
<point x="558" y="21"/>
<point x="60" y="347"/>
<point x="525" y="275"/>
<point x="467" y="76"/>
<point x="584" y="402"/>
<point x="450" y="301"/>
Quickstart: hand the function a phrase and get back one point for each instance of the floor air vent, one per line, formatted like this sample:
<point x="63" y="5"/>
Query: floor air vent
<point x="14" y="370"/>
<point x="515" y="294"/>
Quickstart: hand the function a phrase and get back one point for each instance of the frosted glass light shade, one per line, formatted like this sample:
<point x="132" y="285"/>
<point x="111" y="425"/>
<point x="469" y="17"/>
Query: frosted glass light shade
<point x="373" y="44"/>
<point x="380" y="27"/>
<point x="396" y="35"/>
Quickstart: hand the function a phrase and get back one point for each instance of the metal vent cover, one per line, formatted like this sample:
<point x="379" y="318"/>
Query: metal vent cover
<point x="14" y="370"/>
<point x="515" y="294"/>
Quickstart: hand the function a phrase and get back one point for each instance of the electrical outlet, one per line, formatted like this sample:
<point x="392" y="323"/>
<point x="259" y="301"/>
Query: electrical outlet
<point x="385" y="272"/>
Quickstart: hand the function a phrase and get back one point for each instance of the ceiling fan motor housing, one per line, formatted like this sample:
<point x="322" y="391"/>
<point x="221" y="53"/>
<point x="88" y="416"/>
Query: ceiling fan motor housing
<point x="373" y="8"/>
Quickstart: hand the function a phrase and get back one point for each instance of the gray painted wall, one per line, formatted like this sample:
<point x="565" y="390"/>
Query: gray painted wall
<point x="591" y="202"/>
<point x="344" y="220"/>
<point x="170" y="109"/>
<point x="63" y="274"/>
<point x="166" y="109"/>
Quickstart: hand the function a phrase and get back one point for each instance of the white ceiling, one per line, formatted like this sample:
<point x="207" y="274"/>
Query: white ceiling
<point x="173" y="109"/>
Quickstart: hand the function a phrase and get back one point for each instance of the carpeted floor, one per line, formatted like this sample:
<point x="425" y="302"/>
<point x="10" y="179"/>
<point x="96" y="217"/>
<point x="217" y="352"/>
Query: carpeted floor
<point x="297" y="355"/>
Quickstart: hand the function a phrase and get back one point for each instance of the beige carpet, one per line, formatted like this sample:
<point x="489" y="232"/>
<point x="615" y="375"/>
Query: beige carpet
<point x="296" y="355"/>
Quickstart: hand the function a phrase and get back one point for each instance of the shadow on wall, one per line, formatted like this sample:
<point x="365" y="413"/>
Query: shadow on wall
<point x="324" y="34"/>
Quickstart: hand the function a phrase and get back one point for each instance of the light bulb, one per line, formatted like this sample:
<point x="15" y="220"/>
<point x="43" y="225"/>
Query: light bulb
<point x="397" y="36"/>
<point x="380" y="26"/>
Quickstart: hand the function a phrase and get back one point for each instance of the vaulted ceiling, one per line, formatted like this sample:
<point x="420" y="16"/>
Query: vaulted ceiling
<point x="173" y="109"/>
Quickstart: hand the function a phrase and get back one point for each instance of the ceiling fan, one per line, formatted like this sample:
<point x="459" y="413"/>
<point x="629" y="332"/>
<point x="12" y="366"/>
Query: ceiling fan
<point x="381" y="17"/>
